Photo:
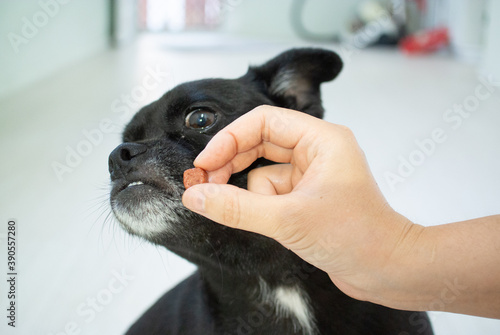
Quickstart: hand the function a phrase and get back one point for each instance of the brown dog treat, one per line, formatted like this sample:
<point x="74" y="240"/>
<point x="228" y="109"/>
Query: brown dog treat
<point x="195" y="176"/>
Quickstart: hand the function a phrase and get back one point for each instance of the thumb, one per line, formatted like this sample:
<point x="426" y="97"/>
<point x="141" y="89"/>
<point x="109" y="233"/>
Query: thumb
<point x="234" y="207"/>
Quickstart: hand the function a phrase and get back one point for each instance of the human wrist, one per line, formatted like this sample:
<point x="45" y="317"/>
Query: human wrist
<point x="387" y="261"/>
<point x="399" y="272"/>
<point x="402" y="282"/>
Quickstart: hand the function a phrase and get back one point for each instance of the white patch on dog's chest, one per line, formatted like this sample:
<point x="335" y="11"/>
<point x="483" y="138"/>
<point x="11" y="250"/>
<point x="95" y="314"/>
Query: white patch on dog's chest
<point x="292" y="302"/>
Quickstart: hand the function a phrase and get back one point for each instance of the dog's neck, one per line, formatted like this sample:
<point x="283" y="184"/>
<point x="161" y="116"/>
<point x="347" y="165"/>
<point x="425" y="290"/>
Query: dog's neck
<point x="284" y="296"/>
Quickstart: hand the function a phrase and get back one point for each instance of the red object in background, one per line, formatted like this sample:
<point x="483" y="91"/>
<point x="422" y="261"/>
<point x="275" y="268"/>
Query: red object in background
<point x="425" y="41"/>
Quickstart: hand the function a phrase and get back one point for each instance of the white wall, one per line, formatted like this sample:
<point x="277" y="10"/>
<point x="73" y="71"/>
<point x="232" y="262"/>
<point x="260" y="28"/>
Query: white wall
<point x="272" y="18"/>
<point x="40" y="37"/>
<point x="491" y="55"/>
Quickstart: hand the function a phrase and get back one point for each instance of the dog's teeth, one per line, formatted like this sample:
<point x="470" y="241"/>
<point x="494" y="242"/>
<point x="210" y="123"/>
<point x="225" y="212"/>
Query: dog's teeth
<point x="135" y="183"/>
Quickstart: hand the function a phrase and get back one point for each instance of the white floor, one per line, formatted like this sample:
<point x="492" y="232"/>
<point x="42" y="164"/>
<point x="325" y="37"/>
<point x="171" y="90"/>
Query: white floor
<point x="79" y="273"/>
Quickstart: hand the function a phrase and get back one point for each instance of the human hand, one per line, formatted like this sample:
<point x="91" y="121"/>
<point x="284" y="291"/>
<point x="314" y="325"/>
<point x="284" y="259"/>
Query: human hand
<point x="323" y="203"/>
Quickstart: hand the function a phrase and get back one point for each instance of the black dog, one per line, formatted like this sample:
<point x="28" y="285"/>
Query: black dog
<point x="246" y="283"/>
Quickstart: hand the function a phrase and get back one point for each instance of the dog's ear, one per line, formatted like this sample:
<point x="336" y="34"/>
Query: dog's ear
<point x="292" y="79"/>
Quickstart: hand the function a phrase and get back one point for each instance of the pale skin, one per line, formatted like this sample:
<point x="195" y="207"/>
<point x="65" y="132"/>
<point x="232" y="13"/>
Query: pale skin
<point x="323" y="204"/>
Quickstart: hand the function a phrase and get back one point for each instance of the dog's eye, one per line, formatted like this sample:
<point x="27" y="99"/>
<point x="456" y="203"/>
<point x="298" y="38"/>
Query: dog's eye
<point x="200" y="119"/>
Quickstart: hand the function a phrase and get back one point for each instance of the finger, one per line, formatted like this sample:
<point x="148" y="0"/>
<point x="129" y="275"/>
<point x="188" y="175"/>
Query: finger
<point x="271" y="180"/>
<point x="235" y="207"/>
<point x="241" y="161"/>
<point x="266" y="131"/>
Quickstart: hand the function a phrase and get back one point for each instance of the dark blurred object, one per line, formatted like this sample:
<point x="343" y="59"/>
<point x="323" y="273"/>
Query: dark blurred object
<point x="425" y="41"/>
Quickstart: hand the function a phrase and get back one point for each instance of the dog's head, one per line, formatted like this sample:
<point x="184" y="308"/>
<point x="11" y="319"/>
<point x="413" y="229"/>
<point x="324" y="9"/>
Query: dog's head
<point x="163" y="138"/>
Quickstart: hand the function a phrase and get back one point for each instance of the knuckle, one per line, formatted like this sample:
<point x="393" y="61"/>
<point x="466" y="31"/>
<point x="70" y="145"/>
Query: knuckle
<point x="345" y="131"/>
<point x="345" y="138"/>
<point x="261" y="108"/>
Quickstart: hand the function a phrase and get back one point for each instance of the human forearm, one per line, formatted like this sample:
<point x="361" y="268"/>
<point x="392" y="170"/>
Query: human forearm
<point x="453" y="267"/>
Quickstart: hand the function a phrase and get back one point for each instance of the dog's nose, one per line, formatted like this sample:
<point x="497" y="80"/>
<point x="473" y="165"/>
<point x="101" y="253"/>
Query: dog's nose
<point x="121" y="158"/>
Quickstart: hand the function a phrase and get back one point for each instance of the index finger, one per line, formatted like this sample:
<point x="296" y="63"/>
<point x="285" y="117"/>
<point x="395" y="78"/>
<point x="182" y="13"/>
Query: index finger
<point x="266" y="131"/>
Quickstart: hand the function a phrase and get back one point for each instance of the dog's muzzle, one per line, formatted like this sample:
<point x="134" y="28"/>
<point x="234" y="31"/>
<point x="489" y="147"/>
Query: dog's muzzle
<point x="120" y="159"/>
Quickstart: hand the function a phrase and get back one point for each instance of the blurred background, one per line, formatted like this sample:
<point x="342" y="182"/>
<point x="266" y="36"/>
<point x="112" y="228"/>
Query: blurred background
<point x="420" y="88"/>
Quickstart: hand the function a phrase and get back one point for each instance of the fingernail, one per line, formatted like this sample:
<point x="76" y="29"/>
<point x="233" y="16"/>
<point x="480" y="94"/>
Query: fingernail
<point x="194" y="200"/>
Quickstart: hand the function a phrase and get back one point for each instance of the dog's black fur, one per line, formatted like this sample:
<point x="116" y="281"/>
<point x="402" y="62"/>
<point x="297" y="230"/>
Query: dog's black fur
<point x="246" y="283"/>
